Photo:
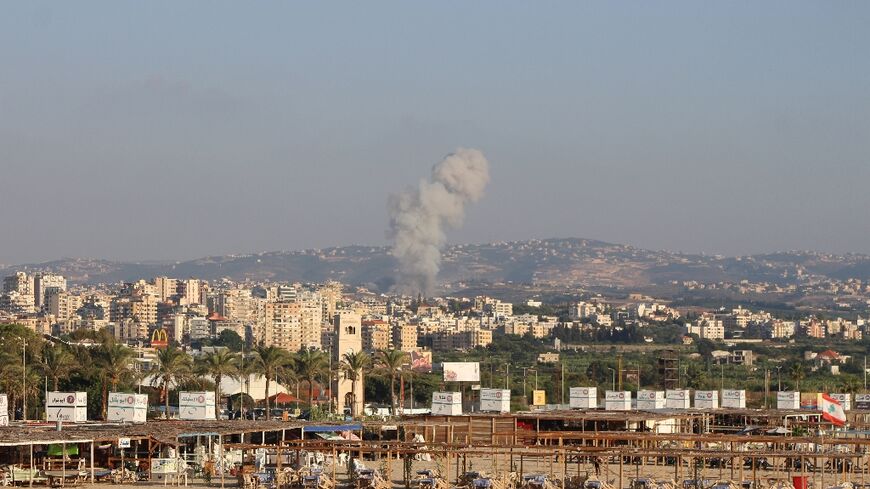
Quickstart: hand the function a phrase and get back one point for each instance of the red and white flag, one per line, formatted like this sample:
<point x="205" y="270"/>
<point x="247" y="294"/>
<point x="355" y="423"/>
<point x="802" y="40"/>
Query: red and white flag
<point x="832" y="410"/>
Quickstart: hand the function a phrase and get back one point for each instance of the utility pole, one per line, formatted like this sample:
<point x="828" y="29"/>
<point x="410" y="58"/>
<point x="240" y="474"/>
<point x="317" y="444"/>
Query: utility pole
<point x="865" y="372"/>
<point x="525" y="396"/>
<point x="562" y="389"/>
<point x="721" y="377"/>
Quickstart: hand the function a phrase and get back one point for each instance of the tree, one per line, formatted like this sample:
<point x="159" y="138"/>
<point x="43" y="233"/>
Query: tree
<point x="219" y="364"/>
<point x="268" y="361"/>
<point x="229" y="339"/>
<point x="247" y="368"/>
<point x="695" y="377"/>
<point x="354" y="365"/>
<point x="56" y="362"/>
<point x="113" y="365"/>
<point x="391" y="362"/>
<point x="173" y="366"/>
<point x="797" y="374"/>
<point x="851" y="385"/>
<point x="310" y="364"/>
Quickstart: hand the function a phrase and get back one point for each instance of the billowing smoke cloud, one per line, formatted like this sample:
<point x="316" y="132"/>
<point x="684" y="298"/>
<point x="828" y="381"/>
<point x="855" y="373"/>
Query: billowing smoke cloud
<point x="419" y="216"/>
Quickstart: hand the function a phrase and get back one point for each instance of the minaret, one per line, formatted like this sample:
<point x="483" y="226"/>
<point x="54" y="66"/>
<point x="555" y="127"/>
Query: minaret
<point x="348" y="338"/>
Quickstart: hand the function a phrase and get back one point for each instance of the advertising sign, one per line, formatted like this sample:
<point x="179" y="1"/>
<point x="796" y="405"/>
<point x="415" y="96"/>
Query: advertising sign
<point x="678" y="399"/>
<point x="650" y="399"/>
<point x="845" y="400"/>
<point x="539" y="397"/>
<point x="447" y="403"/>
<point x="495" y="400"/>
<point x="862" y="402"/>
<point x="4" y="410"/>
<point x="788" y="400"/>
<point x="617" y="400"/>
<point x="127" y="407"/>
<point x="706" y="399"/>
<point x="421" y="361"/>
<point x="735" y="399"/>
<point x="461" y="372"/>
<point x="69" y="407"/>
<point x="583" y="398"/>
<point x="196" y="405"/>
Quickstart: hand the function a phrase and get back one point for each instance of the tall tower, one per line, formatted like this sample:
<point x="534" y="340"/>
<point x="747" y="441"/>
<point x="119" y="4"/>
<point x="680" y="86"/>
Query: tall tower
<point x="348" y="338"/>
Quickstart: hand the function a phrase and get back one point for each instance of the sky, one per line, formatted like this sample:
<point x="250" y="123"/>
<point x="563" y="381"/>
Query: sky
<point x="173" y="130"/>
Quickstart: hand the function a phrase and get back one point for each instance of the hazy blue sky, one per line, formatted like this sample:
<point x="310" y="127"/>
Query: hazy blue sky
<point x="156" y="130"/>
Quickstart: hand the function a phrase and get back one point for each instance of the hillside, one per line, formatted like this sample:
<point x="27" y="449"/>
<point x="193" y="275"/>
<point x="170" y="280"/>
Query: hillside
<point x="571" y="261"/>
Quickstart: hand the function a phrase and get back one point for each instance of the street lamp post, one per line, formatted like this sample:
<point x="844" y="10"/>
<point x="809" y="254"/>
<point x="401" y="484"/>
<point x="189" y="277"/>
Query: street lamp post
<point x="778" y="378"/>
<point x="613" y="378"/>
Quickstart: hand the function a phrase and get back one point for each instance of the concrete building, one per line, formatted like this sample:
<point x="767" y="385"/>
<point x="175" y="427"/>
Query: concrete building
<point x="62" y="305"/>
<point x="376" y="335"/>
<point x="45" y="283"/>
<point x="405" y="337"/>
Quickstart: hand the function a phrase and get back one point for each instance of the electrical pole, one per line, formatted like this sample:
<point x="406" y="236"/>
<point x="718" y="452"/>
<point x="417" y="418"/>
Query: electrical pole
<point x="562" y="389"/>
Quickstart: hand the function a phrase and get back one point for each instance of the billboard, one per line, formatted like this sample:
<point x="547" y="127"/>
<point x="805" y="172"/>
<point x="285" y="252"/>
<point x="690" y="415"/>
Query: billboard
<point x="71" y="407"/>
<point x="196" y="405"/>
<point x="421" y="361"/>
<point x="447" y="403"/>
<point x="497" y="400"/>
<point x="461" y="372"/>
<point x="862" y="401"/>
<point x="127" y="408"/>
<point x="539" y="397"/>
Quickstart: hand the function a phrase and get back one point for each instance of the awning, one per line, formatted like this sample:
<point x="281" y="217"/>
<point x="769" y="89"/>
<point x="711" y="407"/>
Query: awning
<point x="57" y="450"/>
<point x="283" y="398"/>
<point x="333" y="428"/>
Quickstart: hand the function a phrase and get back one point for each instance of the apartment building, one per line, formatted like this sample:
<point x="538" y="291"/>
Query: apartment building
<point x="62" y="305"/>
<point x="43" y="284"/>
<point x="405" y="337"/>
<point x="376" y="335"/>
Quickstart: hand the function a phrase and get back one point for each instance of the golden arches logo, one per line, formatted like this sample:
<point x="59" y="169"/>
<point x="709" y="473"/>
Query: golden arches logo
<point x="159" y="336"/>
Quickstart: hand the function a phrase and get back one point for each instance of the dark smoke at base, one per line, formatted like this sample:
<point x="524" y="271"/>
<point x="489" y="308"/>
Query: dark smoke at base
<point x="419" y="217"/>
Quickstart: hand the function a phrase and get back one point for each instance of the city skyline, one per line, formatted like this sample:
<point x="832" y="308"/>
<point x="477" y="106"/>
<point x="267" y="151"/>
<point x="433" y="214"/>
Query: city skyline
<point x="177" y="131"/>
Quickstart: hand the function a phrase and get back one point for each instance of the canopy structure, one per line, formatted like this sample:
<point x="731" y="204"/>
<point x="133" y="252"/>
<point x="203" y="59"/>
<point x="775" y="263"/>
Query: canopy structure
<point x="331" y="428"/>
<point x="283" y="398"/>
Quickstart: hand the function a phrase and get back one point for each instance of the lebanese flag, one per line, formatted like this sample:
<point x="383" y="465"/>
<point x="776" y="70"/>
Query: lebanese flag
<point x="832" y="410"/>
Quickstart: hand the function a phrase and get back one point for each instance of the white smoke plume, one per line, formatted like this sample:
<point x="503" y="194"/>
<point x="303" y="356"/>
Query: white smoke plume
<point x="419" y="216"/>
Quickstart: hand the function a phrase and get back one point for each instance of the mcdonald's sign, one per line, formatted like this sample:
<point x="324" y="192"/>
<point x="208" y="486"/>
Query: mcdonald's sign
<point x="159" y="338"/>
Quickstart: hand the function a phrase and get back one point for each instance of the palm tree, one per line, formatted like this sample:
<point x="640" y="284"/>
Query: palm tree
<point x="112" y="361"/>
<point x="288" y="377"/>
<point x="391" y="362"/>
<point x="246" y="370"/>
<point x="269" y="360"/>
<point x="797" y="374"/>
<point x="173" y="366"/>
<point x="56" y="362"/>
<point x="354" y="365"/>
<point x="310" y="364"/>
<point x="219" y="364"/>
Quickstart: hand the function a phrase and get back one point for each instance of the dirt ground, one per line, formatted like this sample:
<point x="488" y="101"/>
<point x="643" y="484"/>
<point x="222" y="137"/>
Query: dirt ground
<point x="557" y="469"/>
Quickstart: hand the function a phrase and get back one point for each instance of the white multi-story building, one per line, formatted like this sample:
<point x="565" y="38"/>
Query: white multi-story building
<point x="44" y="284"/>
